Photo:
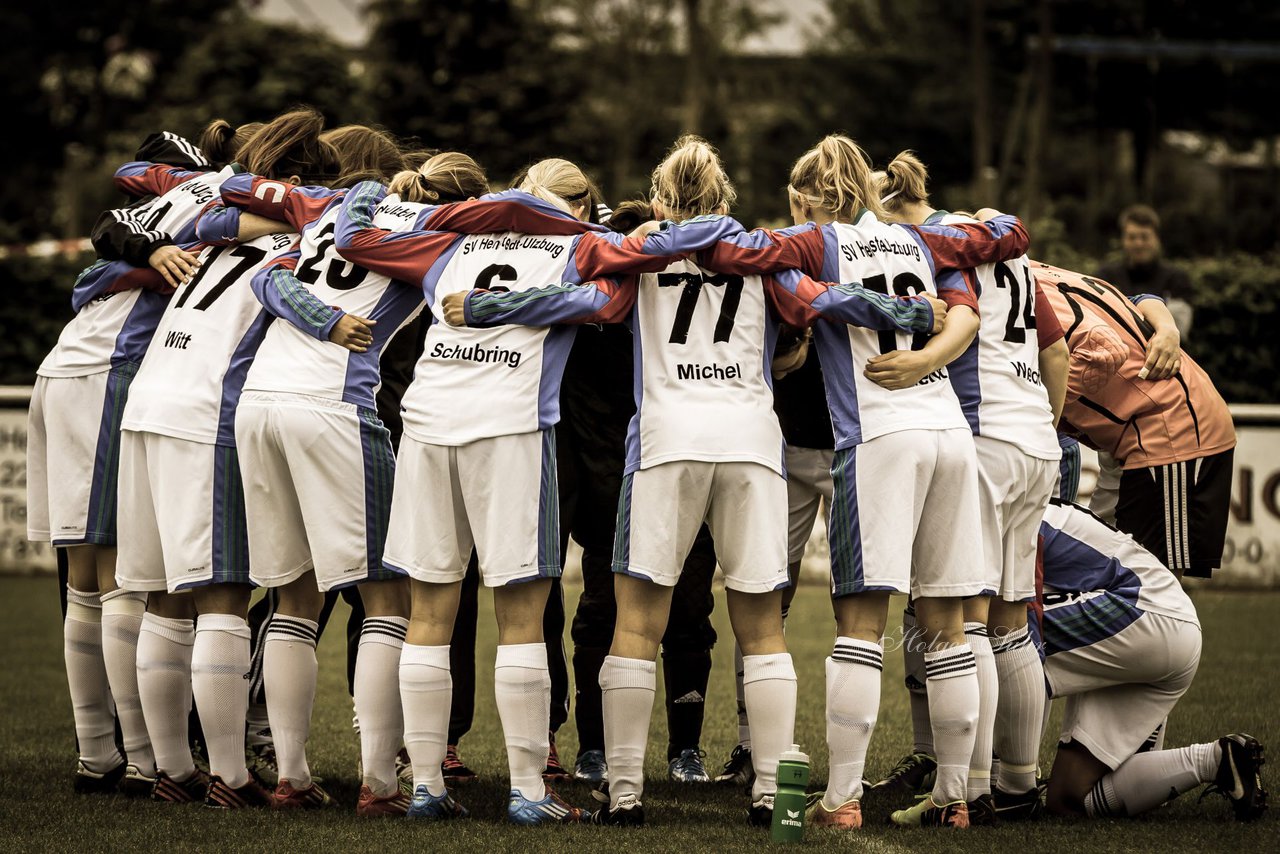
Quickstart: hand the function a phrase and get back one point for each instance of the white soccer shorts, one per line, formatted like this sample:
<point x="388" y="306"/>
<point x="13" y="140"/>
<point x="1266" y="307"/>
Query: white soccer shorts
<point x="1014" y="488"/>
<point x="905" y="516"/>
<point x="318" y="475"/>
<point x="497" y="495"/>
<point x="182" y="520"/>
<point x="744" y="505"/>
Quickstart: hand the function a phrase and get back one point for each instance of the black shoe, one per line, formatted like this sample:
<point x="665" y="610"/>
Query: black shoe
<point x="913" y="775"/>
<point x="738" y="771"/>
<point x="628" y="813"/>
<point x="223" y="797"/>
<point x="92" y="783"/>
<point x="191" y="790"/>
<point x="760" y="814"/>
<point x="1239" y="779"/>
<point x="1010" y="807"/>
<point x="982" y="812"/>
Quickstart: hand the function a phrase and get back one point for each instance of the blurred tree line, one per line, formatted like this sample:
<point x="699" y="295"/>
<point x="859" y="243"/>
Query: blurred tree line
<point x="1061" y="111"/>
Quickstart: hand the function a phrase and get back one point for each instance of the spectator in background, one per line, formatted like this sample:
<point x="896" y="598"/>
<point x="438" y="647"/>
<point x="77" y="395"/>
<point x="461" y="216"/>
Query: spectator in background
<point x="1142" y="270"/>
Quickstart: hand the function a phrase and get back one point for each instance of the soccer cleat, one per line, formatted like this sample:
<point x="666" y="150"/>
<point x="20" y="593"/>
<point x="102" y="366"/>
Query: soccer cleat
<point x="1239" y="777"/>
<point x="591" y="767"/>
<point x="1023" y="807"/>
<point x="190" y="791"/>
<point x="92" y="783"/>
<point x="455" y="771"/>
<point x="550" y="810"/>
<point x="982" y="812"/>
<point x="555" y="772"/>
<point x="628" y="813"/>
<point x="286" y="797"/>
<point x="847" y="816"/>
<point x="928" y="814"/>
<point x="223" y="797"/>
<point x="370" y="805"/>
<point x="404" y="772"/>
<point x="760" y="813"/>
<point x="434" y="807"/>
<point x="135" y="784"/>
<point x="688" y="767"/>
<point x="738" y="771"/>
<point x="912" y="775"/>
<point x="260" y="759"/>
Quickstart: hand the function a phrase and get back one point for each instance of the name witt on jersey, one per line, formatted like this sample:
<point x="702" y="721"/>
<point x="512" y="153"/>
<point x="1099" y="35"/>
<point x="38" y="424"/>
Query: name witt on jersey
<point x="1024" y="371"/>
<point x="709" y="372"/>
<point x="878" y="245"/>
<point x="476" y="353"/>
<point x="177" y="340"/>
<point x="509" y="242"/>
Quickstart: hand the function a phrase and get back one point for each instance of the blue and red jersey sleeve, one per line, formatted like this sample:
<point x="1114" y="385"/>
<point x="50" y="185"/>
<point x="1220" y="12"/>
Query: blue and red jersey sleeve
<point x="511" y="210"/>
<point x="962" y="245"/>
<point x="748" y="253"/>
<point x="801" y="301"/>
<point x="283" y="202"/>
<point x="957" y="287"/>
<point x="218" y="225"/>
<point x="1049" y="329"/>
<point x="611" y="253"/>
<point x="285" y="297"/>
<point x="605" y="300"/>
<point x="140" y="178"/>
<point x="404" y="255"/>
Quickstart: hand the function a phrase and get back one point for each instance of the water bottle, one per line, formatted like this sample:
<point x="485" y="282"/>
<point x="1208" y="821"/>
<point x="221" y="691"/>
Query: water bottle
<point x="789" y="802"/>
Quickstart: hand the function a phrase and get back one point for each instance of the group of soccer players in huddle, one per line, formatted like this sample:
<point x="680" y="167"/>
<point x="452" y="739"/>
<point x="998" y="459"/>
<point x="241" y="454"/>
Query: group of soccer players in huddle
<point x="209" y="422"/>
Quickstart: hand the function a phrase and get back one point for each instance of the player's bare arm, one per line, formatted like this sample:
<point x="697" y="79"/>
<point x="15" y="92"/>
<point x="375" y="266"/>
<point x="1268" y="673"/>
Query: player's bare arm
<point x="904" y="368"/>
<point x="1164" y="348"/>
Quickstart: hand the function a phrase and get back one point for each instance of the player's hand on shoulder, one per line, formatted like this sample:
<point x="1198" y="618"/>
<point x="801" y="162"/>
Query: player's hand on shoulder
<point x="897" y="369"/>
<point x="454" y="306"/>
<point x="353" y="332"/>
<point x="176" y="265"/>
<point x="1164" y="356"/>
<point x="939" y="312"/>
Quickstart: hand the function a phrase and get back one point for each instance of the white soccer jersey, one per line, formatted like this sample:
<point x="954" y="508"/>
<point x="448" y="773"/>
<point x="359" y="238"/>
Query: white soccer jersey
<point x="191" y="377"/>
<point x="91" y="342"/>
<point x="885" y="259"/>
<point x="290" y="360"/>
<point x="703" y="345"/>
<point x="480" y="383"/>
<point x="998" y="380"/>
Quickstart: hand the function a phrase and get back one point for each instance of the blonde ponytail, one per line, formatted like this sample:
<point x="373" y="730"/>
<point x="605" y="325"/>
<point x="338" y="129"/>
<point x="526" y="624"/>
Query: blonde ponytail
<point x="904" y="181"/>
<point x="449" y="176"/>
<point x="691" y="180"/>
<point x="560" y="183"/>
<point x="835" y="176"/>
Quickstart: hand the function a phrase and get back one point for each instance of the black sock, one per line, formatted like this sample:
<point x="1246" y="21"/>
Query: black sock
<point x="684" y="675"/>
<point x="588" y="713"/>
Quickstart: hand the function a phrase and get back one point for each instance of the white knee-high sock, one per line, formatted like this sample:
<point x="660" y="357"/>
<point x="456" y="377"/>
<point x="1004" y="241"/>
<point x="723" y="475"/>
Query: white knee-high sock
<point x="122" y="612"/>
<point x="953" y="709"/>
<point x="769" y="688"/>
<point x="979" y="779"/>
<point x="378" y="704"/>
<point x="627" y="688"/>
<point x="1146" y="780"/>
<point x="853" y="702"/>
<point x="426" y="691"/>
<point x="219" y="662"/>
<point x="913" y="647"/>
<point x="87" y="679"/>
<point x="1020" y="712"/>
<point x="289" y="673"/>
<point x="164" y="687"/>
<point x="522" y="688"/>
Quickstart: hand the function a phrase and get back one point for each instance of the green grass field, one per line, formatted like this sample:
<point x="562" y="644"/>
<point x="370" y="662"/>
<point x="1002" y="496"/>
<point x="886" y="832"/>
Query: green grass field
<point x="1235" y="690"/>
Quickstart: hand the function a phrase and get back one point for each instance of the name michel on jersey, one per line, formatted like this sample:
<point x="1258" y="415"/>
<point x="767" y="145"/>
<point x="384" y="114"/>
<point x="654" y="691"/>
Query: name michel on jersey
<point x="476" y="353"/>
<point x="709" y="372"/>
<point x="879" y="246"/>
<point x="509" y="242"/>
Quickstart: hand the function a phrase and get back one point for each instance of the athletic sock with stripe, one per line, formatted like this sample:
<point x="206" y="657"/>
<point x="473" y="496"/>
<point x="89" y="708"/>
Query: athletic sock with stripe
<point x="289" y="672"/>
<point x="853" y="702"/>
<point x="979" y="777"/>
<point x="953" y="709"/>
<point x="377" y="697"/>
<point x="1146" y="780"/>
